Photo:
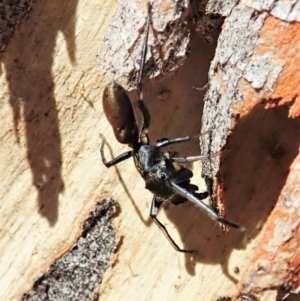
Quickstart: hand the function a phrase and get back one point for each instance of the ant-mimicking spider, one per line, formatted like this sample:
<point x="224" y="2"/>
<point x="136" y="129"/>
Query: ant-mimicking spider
<point x="162" y="171"/>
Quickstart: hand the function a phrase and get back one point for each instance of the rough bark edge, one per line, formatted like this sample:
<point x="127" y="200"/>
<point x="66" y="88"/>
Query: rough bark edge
<point x="77" y="274"/>
<point x="120" y="52"/>
<point x="239" y="60"/>
<point x="12" y="13"/>
<point x="168" y="43"/>
<point x="233" y="63"/>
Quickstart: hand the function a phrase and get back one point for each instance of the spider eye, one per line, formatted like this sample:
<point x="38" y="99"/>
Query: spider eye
<point x="163" y="176"/>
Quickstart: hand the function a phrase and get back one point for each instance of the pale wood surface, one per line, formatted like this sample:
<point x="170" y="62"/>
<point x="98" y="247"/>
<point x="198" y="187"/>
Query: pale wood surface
<point x="50" y="79"/>
<point x="51" y="83"/>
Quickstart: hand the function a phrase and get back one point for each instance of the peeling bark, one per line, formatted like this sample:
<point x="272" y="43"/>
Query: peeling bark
<point x="11" y="14"/>
<point x="51" y="117"/>
<point x="120" y="52"/>
<point x="78" y="273"/>
<point x="252" y="109"/>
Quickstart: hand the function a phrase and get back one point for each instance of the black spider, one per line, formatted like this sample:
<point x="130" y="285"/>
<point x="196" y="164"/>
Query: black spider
<point x="162" y="171"/>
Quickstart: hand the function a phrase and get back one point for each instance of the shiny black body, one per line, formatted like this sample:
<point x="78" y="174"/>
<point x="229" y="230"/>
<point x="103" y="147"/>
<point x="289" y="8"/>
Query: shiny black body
<point x="162" y="171"/>
<point x="158" y="169"/>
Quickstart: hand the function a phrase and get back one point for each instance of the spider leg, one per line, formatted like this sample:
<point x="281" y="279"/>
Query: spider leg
<point x="116" y="160"/>
<point x="153" y="214"/>
<point x="182" y="178"/>
<point x="211" y="213"/>
<point x="144" y="138"/>
<point x="194" y="158"/>
<point x="166" y="141"/>
<point x="141" y="105"/>
<point x="182" y="175"/>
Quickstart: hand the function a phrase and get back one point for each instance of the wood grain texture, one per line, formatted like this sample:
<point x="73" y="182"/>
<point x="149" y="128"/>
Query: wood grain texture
<point x="50" y="91"/>
<point x="51" y="171"/>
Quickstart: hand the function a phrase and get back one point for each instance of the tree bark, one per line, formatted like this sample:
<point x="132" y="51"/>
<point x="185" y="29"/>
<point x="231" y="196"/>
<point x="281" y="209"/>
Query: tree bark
<point x="51" y="170"/>
<point x="252" y="110"/>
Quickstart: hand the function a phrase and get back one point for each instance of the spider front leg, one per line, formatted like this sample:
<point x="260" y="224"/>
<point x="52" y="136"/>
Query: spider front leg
<point x="208" y="210"/>
<point x="116" y="160"/>
<point x="166" y="141"/>
<point x="153" y="214"/>
<point x="141" y="105"/>
<point x="194" y="158"/>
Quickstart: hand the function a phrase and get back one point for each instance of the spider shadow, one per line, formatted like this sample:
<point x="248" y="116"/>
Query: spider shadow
<point x="175" y="108"/>
<point x="253" y="171"/>
<point x="262" y="147"/>
<point x="246" y="169"/>
<point x="258" y="158"/>
<point x="181" y="104"/>
<point x="136" y="208"/>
